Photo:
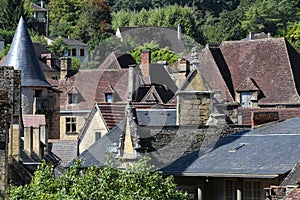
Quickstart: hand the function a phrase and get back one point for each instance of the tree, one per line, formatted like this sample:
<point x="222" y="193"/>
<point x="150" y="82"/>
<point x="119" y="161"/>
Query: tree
<point x="58" y="47"/>
<point x="139" y="181"/>
<point x="157" y="54"/>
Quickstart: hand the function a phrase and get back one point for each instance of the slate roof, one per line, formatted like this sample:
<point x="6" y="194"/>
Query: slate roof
<point x="272" y="63"/>
<point x="262" y="153"/>
<point x="70" y="42"/>
<point x="156" y="117"/>
<point x="38" y="8"/>
<point x="164" y="36"/>
<point x="66" y="150"/>
<point x="22" y="56"/>
<point x="293" y="178"/>
<point x="96" y="153"/>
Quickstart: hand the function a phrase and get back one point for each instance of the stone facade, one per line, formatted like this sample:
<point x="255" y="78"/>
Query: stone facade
<point x="193" y="108"/>
<point x="10" y="81"/>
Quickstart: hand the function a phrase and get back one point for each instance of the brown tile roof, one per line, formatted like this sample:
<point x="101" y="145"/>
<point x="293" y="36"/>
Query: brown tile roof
<point x="117" y="61"/>
<point x="208" y="67"/>
<point x="33" y="120"/>
<point x="267" y="62"/>
<point x="248" y="85"/>
<point x="293" y="195"/>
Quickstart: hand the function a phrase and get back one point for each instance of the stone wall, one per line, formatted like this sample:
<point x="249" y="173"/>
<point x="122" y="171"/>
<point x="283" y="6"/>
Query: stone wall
<point x="193" y="108"/>
<point x="10" y="81"/>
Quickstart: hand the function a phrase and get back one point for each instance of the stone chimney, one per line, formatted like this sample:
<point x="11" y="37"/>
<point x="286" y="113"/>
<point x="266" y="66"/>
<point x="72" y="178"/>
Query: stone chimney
<point x="65" y="66"/>
<point x="131" y="82"/>
<point x="28" y="140"/>
<point x="42" y="4"/>
<point x="145" y="62"/>
<point x="179" y="32"/>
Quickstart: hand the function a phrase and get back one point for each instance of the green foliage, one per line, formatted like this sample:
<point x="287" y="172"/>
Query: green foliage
<point x="293" y="35"/>
<point x="137" y="181"/>
<point x="86" y="21"/>
<point x="11" y="12"/>
<point x="164" y="17"/>
<point x="157" y="54"/>
<point x="4" y="52"/>
<point x="76" y="64"/>
<point x="58" y="47"/>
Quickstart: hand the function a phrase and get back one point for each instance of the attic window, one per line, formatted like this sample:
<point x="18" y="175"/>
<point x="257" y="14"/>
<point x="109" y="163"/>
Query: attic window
<point x="108" y="97"/>
<point x="73" y="98"/>
<point x="245" y="99"/>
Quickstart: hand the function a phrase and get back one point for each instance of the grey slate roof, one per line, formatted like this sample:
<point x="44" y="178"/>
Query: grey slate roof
<point x="22" y="56"/>
<point x="95" y="154"/>
<point x="66" y="150"/>
<point x="156" y="117"/>
<point x="265" y="152"/>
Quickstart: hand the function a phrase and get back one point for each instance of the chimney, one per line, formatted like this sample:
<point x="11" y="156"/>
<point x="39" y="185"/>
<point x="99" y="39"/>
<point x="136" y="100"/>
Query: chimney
<point x="251" y="35"/>
<point x="28" y="140"/>
<point x="42" y="4"/>
<point x="179" y="32"/>
<point x="131" y="82"/>
<point x="146" y="60"/>
<point x="65" y="66"/>
<point x="36" y="142"/>
<point x="49" y="59"/>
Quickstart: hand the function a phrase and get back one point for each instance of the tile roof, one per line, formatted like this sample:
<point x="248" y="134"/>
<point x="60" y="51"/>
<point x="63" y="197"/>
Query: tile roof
<point x="22" y="56"/>
<point x="66" y="150"/>
<point x="293" y="195"/>
<point x="33" y="120"/>
<point x="271" y="63"/>
<point x="267" y="62"/>
<point x="258" y="153"/>
<point x="208" y="68"/>
<point x="117" y="61"/>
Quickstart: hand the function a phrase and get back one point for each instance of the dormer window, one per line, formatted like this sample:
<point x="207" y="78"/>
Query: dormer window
<point x="73" y="98"/>
<point x="108" y="97"/>
<point x="248" y="93"/>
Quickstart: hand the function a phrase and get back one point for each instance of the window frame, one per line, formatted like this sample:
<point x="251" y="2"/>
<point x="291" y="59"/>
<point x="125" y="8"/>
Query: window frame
<point x="81" y="52"/>
<point x="72" y="98"/>
<point x="74" y="52"/>
<point x="71" y="126"/>
<point x="107" y="99"/>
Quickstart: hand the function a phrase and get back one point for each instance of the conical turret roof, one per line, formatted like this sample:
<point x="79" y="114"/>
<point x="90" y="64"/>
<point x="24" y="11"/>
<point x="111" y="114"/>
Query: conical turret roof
<point x="22" y="56"/>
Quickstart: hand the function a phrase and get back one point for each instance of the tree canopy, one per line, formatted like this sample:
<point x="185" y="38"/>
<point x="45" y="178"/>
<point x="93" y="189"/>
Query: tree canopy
<point x="137" y="181"/>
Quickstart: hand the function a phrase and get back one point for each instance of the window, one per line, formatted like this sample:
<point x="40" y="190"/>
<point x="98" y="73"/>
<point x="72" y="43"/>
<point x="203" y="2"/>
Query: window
<point x="245" y="99"/>
<point x="81" y="52"/>
<point x="230" y="190"/>
<point x="97" y="136"/>
<point x="108" y="97"/>
<point x="73" y="52"/>
<point x="73" y="98"/>
<point x="70" y="124"/>
<point x="38" y="93"/>
<point x="251" y="190"/>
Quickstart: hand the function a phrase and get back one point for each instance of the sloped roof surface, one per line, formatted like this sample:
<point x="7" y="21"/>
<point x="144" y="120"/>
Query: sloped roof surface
<point x="22" y="56"/>
<point x="163" y="36"/>
<point x="71" y="42"/>
<point x="95" y="154"/>
<point x="66" y="150"/>
<point x="258" y="153"/>
<point x="267" y="62"/>
<point x="210" y="58"/>
<point x="33" y="120"/>
<point x="117" y="61"/>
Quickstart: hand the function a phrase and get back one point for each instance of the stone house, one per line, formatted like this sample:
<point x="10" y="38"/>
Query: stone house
<point x="76" y="48"/>
<point x="39" y="18"/>
<point x="243" y="165"/>
<point x="246" y="77"/>
<point x="31" y="118"/>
